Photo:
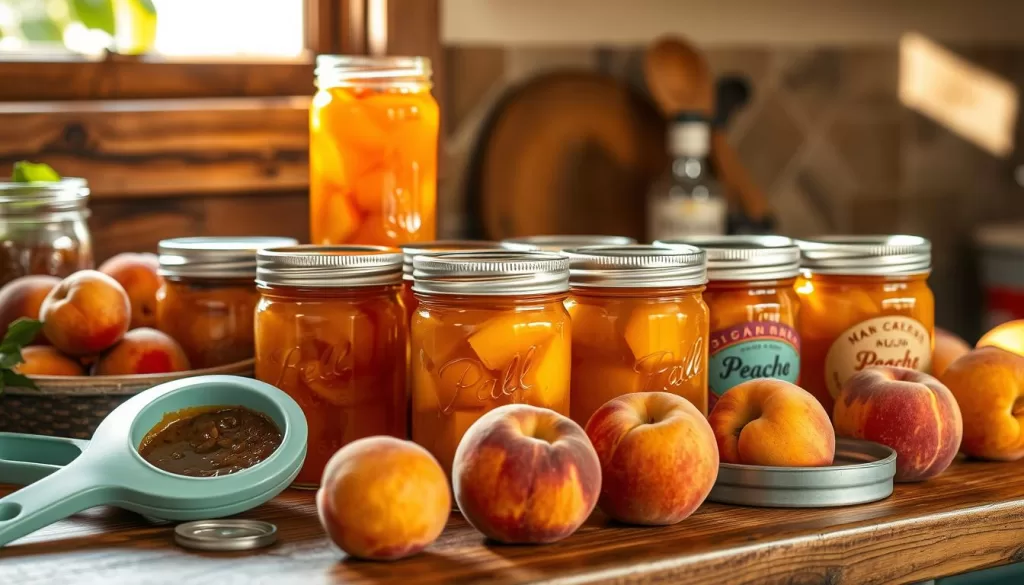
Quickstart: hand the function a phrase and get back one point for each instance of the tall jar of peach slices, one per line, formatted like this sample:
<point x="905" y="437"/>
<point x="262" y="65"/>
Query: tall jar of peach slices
<point x="639" y="324"/>
<point x="491" y="329"/>
<point x="754" y="309"/>
<point x="331" y="332"/>
<point x="865" y="301"/>
<point x="373" y="151"/>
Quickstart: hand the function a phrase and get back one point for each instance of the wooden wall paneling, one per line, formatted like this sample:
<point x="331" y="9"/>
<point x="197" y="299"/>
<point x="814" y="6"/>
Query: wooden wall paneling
<point x="268" y="214"/>
<point x="336" y="27"/>
<point x="161" y="147"/>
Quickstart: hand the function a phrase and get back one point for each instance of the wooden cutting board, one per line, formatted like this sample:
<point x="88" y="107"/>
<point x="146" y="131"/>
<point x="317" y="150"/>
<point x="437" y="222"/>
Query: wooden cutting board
<point x="566" y="153"/>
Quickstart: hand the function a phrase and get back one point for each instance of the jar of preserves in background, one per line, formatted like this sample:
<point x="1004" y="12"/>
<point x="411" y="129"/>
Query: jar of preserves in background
<point x="639" y="324"/>
<point x="864" y="301"/>
<point x="754" y="309"/>
<point x="209" y="296"/>
<point x="44" y="229"/>
<point x="490" y="329"/>
<point x="373" y="151"/>
<point x="331" y="332"/>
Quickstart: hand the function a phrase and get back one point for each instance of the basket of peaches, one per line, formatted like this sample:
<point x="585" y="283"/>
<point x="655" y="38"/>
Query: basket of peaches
<point x="75" y="349"/>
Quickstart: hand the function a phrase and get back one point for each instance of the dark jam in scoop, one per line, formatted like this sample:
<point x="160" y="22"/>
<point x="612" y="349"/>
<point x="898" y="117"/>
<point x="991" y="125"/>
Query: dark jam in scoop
<point x="208" y="442"/>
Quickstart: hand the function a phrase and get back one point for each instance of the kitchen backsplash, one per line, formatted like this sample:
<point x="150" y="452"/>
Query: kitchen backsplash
<point x="824" y="134"/>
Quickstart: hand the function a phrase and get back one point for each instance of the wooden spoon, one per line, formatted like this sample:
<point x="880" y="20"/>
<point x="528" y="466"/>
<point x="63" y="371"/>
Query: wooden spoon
<point x="680" y="81"/>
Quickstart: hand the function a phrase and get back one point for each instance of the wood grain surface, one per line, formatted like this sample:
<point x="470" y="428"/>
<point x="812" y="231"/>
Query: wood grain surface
<point x="969" y="518"/>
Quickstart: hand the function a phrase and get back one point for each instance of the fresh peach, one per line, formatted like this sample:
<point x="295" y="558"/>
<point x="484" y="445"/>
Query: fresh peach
<point x="907" y="410"/>
<point x="42" y="360"/>
<point x="772" y="422"/>
<point x="948" y="348"/>
<point x="658" y="457"/>
<point x="86" y="313"/>
<point x="524" y="474"/>
<point x="988" y="384"/>
<point x="22" y="297"/>
<point x="142" y="351"/>
<point x="1008" y="336"/>
<point x="383" y="498"/>
<point x="138" y="274"/>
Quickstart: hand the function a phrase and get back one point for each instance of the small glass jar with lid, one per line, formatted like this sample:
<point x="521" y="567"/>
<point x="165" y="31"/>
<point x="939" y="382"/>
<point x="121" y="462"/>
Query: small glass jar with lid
<point x="209" y="295"/>
<point x="864" y="301"/>
<point x="639" y="324"/>
<point x="331" y="332"/>
<point x="44" y="228"/>
<point x="432" y="249"/>
<point x="490" y="329"/>
<point x="754" y="309"/>
<point x="557" y="243"/>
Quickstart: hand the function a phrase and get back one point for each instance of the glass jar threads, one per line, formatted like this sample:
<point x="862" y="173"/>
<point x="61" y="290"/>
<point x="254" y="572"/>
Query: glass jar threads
<point x="373" y="151"/>
<point x="639" y="324"/>
<point x="864" y="301"/>
<point x="557" y="243"/>
<point x="754" y="309"/>
<point x="331" y="332"/>
<point x="491" y="329"/>
<point x="43" y="228"/>
<point x="209" y="295"/>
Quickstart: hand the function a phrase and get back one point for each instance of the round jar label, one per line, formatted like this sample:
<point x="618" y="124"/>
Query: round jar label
<point x="882" y="341"/>
<point x="757" y="349"/>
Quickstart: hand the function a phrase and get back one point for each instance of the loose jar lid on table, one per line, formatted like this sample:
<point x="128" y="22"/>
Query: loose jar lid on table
<point x="747" y="258"/>
<point x="214" y="257"/>
<point x="329" y="266"/>
<point x="491" y="273"/>
<point x="557" y="243"/>
<point x="637" y="266"/>
<point x="866" y="255"/>
<point x="414" y="249"/>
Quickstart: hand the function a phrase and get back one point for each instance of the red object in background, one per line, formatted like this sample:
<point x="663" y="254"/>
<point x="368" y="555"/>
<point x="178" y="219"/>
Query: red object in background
<point x="1003" y="304"/>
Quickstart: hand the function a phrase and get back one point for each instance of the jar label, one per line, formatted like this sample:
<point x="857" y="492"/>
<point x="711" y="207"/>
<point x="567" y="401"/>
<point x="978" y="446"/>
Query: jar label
<point x="757" y="349"/>
<point x="882" y="341"/>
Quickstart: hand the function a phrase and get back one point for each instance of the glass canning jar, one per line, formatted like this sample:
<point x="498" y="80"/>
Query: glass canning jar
<point x="209" y="295"/>
<point x="331" y="332"/>
<point x="44" y="228"/>
<point x="639" y="324"/>
<point x="754" y="309"/>
<point x="432" y="249"/>
<point x="490" y="329"/>
<point x="865" y="301"/>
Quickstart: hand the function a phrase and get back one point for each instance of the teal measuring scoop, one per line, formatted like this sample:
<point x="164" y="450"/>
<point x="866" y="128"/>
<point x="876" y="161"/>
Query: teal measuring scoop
<point x="26" y="459"/>
<point x="110" y="471"/>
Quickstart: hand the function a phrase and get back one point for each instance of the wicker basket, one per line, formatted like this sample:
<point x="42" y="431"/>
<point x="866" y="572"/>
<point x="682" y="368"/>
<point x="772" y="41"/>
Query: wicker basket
<point x="73" y="406"/>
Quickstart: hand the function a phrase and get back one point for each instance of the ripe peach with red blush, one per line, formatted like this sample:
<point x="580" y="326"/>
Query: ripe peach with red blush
<point x="988" y="384"/>
<point x="142" y="351"/>
<point x="86" y="313"/>
<point x="138" y="274"/>
<point x="22" y="297"/>
<point x="43" y="360"/>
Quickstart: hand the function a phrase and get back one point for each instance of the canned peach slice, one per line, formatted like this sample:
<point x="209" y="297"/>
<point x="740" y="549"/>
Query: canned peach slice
<point x="464" y="384"/>
<point x="595" y="382"/>
<point x="501" y="338"/>
<point x="447" y="432"/>
<point x="350" y="118"/>
<point x="594" y="328"/>
<point x="543" y="378"/>
<point x="375" y="187"/>
<point x="372" y="231"/>
<point x="655" y="328"/>
<point x="338" y="217"/>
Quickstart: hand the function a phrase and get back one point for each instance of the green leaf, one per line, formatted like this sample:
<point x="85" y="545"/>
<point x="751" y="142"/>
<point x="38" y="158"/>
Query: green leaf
<point x="41" y="30"/>
<point x="146" y="5"/>
<point x="29" y="172"/>
<point x="9" y="359"/>
<point x="12" y="378"/>
<point x="98" y="14"/>
<point x="21" y="333"/>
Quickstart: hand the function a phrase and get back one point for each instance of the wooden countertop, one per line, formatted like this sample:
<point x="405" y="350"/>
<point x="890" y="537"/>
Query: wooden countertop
<point x="971" y="517"/>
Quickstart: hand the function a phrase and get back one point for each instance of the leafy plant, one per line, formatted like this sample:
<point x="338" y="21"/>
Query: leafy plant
<point x="98" y="14"/>
<point x="19" y="334"/>
<point x="30" y="172"/>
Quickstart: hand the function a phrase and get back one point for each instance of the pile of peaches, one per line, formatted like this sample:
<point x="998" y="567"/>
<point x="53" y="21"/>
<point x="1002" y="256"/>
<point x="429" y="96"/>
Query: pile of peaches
<point x="524" y="474"/>
<point x="98" y="322"/>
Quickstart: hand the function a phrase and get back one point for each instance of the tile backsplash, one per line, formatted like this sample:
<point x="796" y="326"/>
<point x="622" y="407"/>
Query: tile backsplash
<point x="824" y="134"/>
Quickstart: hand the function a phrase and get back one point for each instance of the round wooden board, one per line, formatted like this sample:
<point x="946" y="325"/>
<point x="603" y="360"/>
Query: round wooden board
<point x="567" y="153"/>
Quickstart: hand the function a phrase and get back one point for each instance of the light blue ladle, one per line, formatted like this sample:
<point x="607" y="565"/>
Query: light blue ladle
<point x="110" y="471"/>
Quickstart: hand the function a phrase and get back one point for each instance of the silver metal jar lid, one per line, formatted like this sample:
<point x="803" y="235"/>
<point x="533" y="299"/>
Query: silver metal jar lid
<point x="413" y="249"/>
<point x="749" y="258"/>
<point x="225" y="535"/>
<point x="329" y="266"/>
<point x="637" y="266"/>
<point x="555" y="243"/>
<point x="214" y="257"/>
<point x="491" y="272"/>
<point x="866" y="255"/>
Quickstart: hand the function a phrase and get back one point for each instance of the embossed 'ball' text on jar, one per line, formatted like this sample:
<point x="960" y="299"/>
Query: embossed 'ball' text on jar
<point x="331" y="332"/>
<point x="754" y="309"/>
<point x="864" y="301"/>
<point x="639" y="324"/>
<point x="209" y="295"/>
<point x="490" y="329"/>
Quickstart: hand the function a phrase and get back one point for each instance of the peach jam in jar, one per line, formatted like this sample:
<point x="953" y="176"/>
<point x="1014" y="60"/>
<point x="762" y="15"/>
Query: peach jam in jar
<point x="754" y="309"/>
<point x="490" y="329"/>
<point x="864" y="301"/>
<point x="639" y="324"/>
